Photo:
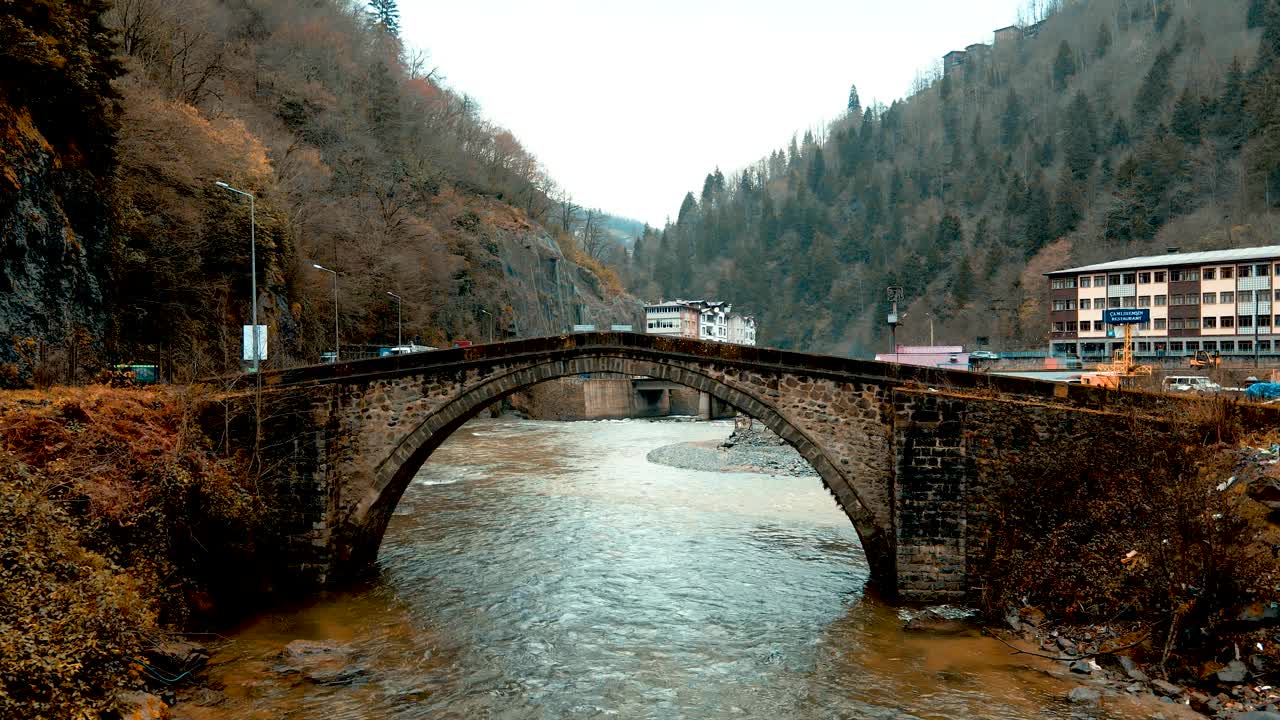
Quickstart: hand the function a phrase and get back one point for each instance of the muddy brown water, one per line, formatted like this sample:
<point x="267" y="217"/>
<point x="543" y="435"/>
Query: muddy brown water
<point x="547" y="570"/>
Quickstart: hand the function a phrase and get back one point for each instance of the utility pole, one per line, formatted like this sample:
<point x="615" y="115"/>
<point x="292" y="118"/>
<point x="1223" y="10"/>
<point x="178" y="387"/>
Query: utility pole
<point x="895" y="296"/>
<point x="399" y="325"/>
<point x="337" y="347"/>
<point x="253" y="271"/>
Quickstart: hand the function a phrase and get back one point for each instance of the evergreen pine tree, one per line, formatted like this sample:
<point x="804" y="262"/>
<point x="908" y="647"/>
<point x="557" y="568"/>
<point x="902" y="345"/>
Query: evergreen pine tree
<point x="1064" y="66"/>
<point x="387" y="14"/>
<point x="1187" y="116"/>
<point x="1011" y="120"/>
<point x="1081" y="137"/>
<point x="855" y="105"/>
<point x="1103" y="43"/>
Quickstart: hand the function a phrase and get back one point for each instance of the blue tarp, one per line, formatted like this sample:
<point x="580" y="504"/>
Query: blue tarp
<point x="1263" y="391"/>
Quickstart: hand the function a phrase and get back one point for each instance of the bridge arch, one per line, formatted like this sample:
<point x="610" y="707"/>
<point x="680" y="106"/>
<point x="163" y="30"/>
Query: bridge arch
<point x="361" y="532"/>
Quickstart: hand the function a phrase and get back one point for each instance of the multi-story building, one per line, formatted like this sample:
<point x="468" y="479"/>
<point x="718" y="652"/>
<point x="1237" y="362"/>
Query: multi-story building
<point x="710" y="320"/>
<point x="675" y="318"/>
<point x="1220" y="301"/>
<point x="742" y="329"/>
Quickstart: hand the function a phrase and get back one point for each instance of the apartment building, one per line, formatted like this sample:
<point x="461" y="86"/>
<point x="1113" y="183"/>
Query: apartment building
<point x="710" y="320"/>
<point x="1219" y="300"/>
<point x="676" y="318"/>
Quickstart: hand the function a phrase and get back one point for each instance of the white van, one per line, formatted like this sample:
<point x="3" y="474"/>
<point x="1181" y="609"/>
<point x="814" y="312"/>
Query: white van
<point x="1190" y="383"/>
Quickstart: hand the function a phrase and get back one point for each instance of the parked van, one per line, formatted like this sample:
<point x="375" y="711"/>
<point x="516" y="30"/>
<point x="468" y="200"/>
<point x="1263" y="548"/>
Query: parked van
<point x="1190" y="383"/>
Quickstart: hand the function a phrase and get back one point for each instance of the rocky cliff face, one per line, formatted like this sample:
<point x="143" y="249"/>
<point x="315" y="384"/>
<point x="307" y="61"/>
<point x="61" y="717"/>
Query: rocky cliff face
<point x="550" y="293"/>
<point x="54" y="232"/>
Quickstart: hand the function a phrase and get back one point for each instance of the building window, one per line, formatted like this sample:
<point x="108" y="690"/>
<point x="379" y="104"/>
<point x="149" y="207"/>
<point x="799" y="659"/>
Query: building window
<point x="1211" y="298"/>
<point x="1228" y="345"/>
<point x="1113" y="302"/>
<point x="1193" y="323"/>
<point x="1210" y="344"/>
<point x="1071" y="326"/>
<point x="1262" y="270"/>
<point x="1176" y="324"/>
<point x="1245" y="271"/>
<point x="1099" y="281"/>
<point x="1114" y="279"/>
<point x="1159" y="276"/>
<point x="1144" y="278"/>
<point x="1144" y="301"/>
<point x="1160" y="323"/>
<point x="1246" y="345"/>
<point x="1227" y="321"/>
<point x="1063" y="283"/>
<point x="1130" y="301"/>
<point x="1129" y="279"/>
<point x="1193" y="345"/>
<point x="1084" y="281"/>
<point x="1160" y="301"/>
<point x="1264" y="321"/>
<point x="1175" y="347"/>
<point x="1059" y="327"/>
<point x="1277" y="295"/>
<point x="1097" y="326"/>
<point x="1060" y="305"/>
<point x="1144" y="347"/>
<point x="1184" y="275"/>
<point x="1160" y="347"/>
<point x="1144" y="325"/>
<point x="1244" y="321"/>
<point x="1193" y="299"/>
<point x="1227" y="272"/>
<point x="1085" y="304"/>
<point x="1176" y="300"/>
<point x="1208" y="273"/>
<point x="1210" y="323"/>
<point x="1227" y="298"/>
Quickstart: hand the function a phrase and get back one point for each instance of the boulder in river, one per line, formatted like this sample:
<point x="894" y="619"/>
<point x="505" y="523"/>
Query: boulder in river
<point x="1085" y="696"/>
<point x="1234" y="672"/>
<point x="141" y="706"/>
<point x="323" y="662"/>
<point x="177" y="656"/>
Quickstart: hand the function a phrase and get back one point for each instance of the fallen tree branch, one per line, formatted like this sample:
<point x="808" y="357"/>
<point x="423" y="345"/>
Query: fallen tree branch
<point x="1017" y="651"/>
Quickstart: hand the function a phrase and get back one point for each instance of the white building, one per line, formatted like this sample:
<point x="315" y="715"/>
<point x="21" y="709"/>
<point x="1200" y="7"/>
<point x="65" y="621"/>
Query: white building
<point x="710" y="320"/>
<point x="742" y="329"/>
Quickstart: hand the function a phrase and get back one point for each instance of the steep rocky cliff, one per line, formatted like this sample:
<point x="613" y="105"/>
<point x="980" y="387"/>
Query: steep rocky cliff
<point x="54" y="232"/>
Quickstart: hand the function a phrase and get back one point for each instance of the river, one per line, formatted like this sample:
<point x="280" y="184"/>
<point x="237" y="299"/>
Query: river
<point x="547" y="570"/>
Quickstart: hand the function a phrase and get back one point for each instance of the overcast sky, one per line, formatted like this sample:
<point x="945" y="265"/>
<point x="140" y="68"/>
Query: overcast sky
<point x="630" y="104"/>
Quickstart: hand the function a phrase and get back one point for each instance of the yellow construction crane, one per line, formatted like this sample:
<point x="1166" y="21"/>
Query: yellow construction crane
<point x="1121" y="371"/>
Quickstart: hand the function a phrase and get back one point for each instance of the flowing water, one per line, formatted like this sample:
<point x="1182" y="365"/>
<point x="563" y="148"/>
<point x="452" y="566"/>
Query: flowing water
<point x="547" y="570"/>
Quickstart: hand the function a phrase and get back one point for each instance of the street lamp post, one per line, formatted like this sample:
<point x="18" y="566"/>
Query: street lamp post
<point x="337" y="347"/>
<point x="253" y="269"/>
<point x="399" y="326"/>
<point x="486" y="312"/>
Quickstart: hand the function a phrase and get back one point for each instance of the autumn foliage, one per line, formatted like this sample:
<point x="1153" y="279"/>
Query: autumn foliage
<point x="115" y="521"/>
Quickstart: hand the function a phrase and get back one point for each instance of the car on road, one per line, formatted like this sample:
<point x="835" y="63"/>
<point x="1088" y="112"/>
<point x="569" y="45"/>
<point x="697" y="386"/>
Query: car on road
<point x="983" y="355"/>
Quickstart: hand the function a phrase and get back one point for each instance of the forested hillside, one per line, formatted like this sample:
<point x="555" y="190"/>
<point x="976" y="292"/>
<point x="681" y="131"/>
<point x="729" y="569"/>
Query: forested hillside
<point x="117" y="117"/>
<point x="1105" y="129"/>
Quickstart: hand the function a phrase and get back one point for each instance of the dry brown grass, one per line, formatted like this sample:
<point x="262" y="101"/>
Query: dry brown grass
<point x="115" y="518"/>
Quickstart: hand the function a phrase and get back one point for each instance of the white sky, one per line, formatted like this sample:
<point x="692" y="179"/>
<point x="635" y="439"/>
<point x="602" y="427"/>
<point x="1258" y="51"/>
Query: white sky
<point x="630" y="104"/>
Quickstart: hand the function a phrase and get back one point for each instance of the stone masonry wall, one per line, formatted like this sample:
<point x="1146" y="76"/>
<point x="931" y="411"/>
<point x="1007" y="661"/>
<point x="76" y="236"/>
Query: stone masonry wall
<point x="930" y="493"/>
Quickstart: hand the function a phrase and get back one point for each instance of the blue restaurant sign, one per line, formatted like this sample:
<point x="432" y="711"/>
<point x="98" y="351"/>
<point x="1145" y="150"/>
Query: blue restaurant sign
<point x="1126" y="316"/>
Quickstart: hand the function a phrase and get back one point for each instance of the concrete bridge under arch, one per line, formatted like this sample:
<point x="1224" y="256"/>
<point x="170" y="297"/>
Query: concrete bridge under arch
<point x="911" y="455"/>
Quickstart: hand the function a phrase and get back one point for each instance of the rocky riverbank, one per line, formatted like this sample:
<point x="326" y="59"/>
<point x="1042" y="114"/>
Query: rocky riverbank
<point x="750" y="448"/>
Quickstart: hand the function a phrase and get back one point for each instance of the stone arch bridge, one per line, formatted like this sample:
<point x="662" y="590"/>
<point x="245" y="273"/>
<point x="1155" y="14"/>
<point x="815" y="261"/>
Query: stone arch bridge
<point x="912" y="455"/>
